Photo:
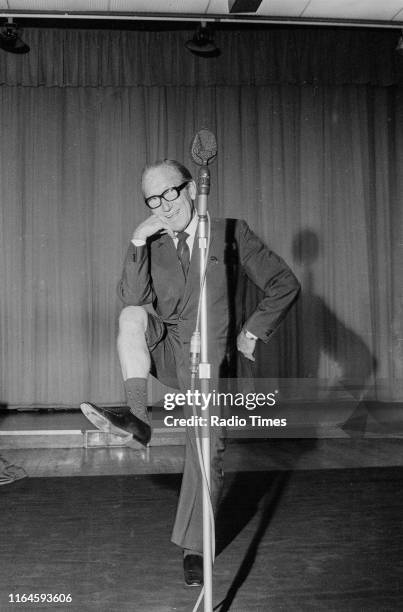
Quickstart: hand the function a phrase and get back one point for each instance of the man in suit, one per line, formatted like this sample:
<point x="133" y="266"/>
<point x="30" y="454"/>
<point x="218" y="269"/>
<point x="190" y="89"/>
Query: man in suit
<point x="162" y="269"/>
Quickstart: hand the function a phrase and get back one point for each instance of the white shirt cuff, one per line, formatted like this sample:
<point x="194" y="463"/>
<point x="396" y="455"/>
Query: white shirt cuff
<point x="249" y="334"/>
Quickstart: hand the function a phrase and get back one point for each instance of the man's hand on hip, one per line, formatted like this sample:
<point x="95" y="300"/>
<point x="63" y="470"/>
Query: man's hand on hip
<point x="246" y="345"/>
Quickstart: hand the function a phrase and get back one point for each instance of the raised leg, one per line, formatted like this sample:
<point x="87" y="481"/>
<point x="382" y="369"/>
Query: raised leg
<point x="133" y="351"/>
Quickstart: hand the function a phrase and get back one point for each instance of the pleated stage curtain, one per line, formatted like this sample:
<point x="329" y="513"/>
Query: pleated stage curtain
<point x="314" y="167"/>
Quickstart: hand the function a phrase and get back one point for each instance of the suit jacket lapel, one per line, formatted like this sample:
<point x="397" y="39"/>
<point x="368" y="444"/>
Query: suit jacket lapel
<point x="192" y="286"/>
<point x="166" y="257"/>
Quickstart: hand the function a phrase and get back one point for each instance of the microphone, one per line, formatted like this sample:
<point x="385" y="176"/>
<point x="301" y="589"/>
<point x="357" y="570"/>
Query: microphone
<point x="203" y="150"/>
<point x="204" y="147"/>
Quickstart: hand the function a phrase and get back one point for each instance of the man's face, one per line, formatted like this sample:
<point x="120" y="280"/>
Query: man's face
<point x="179" y="212"/>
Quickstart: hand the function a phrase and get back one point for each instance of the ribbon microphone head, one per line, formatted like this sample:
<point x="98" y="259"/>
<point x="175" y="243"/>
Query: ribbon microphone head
<point x="204" y="147"/>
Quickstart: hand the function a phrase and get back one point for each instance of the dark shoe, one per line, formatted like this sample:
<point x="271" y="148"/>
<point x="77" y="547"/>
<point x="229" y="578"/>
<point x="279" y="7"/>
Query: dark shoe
<point x="119" y="421"/>
<point x="193" y="570"/>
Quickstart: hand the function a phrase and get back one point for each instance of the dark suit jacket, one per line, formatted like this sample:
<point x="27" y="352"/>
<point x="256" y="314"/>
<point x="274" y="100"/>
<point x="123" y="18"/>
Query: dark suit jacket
<point x="153" y="274"/>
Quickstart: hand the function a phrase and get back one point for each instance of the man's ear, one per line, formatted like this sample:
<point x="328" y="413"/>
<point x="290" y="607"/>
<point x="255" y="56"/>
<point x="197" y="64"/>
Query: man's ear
<point x="192" y="190"/>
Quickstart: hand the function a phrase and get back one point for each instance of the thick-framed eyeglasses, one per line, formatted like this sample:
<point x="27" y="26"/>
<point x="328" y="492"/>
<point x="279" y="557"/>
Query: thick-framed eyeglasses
<point x="169" y="195"/>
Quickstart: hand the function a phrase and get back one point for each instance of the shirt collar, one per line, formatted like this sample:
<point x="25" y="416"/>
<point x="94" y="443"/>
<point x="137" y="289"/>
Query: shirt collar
<point x="192" y="226"/>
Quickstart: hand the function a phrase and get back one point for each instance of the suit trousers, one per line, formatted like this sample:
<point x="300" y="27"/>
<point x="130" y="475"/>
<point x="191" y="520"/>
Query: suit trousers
<point x="170" y="364"/>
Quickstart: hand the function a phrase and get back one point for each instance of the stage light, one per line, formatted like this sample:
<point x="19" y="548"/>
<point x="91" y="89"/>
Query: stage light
<point x="10" y="40"/>
<point x="399" y="47"/>
<point x="202" y="43"/>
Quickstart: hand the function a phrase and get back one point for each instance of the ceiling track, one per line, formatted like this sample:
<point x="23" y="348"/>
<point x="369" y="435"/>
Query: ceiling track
<point x="300" y="21"/>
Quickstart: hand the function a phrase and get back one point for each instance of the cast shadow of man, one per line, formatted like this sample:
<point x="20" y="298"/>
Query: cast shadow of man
<point x="322" y="333"/>
<point x="318" y="331"/>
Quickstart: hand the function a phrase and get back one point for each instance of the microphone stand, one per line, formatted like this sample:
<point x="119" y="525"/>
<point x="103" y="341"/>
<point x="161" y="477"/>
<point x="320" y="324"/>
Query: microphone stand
<point x="203" y="189"/>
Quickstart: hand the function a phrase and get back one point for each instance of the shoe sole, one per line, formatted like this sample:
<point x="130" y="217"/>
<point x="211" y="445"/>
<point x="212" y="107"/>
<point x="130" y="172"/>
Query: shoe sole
<point x="102" y="423"/>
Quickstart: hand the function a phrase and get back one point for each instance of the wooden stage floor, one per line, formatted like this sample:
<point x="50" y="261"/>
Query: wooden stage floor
<point x="304" y="525"/>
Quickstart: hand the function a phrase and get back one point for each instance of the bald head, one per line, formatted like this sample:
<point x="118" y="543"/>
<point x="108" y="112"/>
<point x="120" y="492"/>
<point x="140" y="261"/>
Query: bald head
<point x="178" y="170"/>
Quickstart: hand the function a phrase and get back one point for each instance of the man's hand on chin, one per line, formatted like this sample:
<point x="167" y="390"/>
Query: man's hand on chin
<point x="246" y="345"/>
<point x="151" y="226"/>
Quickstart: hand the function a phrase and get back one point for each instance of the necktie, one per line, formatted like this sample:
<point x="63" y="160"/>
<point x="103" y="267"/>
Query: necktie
<point x="182" y="249"/>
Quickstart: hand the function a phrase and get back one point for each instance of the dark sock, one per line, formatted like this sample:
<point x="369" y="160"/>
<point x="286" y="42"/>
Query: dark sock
<point x="136" y="393"/>
<point x="187" y="551"/>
